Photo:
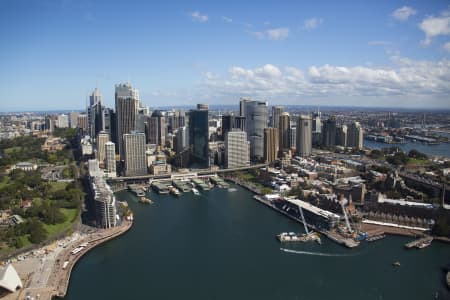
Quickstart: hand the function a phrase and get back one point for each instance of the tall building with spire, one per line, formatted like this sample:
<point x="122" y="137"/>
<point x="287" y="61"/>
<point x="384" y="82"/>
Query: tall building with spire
<point x="127" y="104"/>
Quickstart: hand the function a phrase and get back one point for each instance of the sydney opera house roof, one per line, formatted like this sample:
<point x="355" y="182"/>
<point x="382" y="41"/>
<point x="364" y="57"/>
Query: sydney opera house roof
<point x="9" y="279"/>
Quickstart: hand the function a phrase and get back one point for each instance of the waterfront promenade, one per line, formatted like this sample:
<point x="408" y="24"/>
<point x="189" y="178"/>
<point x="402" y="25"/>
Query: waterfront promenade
<point x="49" y="276"/>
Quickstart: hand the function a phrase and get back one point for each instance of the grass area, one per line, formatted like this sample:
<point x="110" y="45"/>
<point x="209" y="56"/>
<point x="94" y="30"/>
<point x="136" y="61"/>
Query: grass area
<point x="56" y="185"/>
<point x="70" y="214"/>
<point x="417" y="161"/>
<point x="4" y="182"/>
<point x="24" y="239"/>
<point x="12" y="149"/>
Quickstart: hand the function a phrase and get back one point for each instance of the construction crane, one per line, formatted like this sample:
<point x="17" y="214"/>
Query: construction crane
<point x="347" y="223"/>
<point x="303" y="220"/>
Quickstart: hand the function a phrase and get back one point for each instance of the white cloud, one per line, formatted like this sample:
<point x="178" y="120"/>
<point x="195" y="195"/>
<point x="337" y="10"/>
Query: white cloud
<point x="198" y="17"/>
<point x="447" y="46"/>
<point x="227" y="19"/>
<point x="272" y="34"/>
<point x="434" y="26"/>
<point x="405" y="79"/>
<point x="312" y="23"/>
<point x="403" y="13"/>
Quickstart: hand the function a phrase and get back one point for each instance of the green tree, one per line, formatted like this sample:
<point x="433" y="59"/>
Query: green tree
<point x="38" y="234"/>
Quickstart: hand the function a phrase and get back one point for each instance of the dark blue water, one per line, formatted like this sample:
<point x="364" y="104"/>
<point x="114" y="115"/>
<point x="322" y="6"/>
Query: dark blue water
<point x="442" y="149"/>
<point x="222" y="246"/>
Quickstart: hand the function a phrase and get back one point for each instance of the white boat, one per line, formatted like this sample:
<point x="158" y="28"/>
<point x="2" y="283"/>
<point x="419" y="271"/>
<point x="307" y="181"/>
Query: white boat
<point x="195" y="191"/>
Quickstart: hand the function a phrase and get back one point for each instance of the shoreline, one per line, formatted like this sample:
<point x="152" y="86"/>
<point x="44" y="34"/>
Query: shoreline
<point x="61" y="291"/>
<point x="58" y="279"/>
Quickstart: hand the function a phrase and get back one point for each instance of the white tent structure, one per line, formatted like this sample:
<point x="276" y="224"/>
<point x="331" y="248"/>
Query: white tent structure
<point x="9" y="279"/>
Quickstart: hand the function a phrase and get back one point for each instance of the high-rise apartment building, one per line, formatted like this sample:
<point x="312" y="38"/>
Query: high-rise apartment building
<point x="341" y="135"/>
<point x="284" y="132"/>
<point x="63" y="121"/>
<point x="102" y="139"/>
<point x="329" y="132"/>
<point x="271" y="144"/>
<point x="127" y="104"/>
<point x="304" y="136"/>
<point x="110" y="159"/>
<point x="355" y="136"/>
<point x="199" y="137"/>
<point x="134" y="154"/>
<point x="256" y="118"/>
<point x="73" y="119"/>
<point x="237" y="149"/>
<point x="277" y="111"/>
<point x="82" y="123"/>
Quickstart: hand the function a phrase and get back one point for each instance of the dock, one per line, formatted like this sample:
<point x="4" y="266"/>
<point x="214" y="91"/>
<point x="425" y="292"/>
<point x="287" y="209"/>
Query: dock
<point x="219" y="182"/>
<point x="417" y="243"/>
<point x="181" y="185"/>
<point x="160" y="188"/>
<point x="347" y="242"/>
<point x="201" y="184"/>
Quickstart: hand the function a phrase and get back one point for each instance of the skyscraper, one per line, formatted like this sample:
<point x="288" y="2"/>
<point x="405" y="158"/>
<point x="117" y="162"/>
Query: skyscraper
<point x="199" y="137"/>
<point x="157" y="128"/>
<point x="256" y="118"/>
<point x="230" y="122"/>
<point x="102" y="139"/>
<point x="134" y="153"/>
<point x="341" y="135"/>
<point x="329" y="132"/>
<point x="95" y="114"/>
<point x="270" y="144"/>
<point x="284" y="132"/>
<point x="110" y="159"/>
<point x="73" y="119"/>
<point x="355" y="136"/>
<point x="304" y="136"/>
<point x="277" y="111"/>
<point x="127" y="104"/>
<point x="237" y="149"/>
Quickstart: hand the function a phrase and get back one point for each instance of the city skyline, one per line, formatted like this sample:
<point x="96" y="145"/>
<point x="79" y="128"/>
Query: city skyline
<point x="388" y="54"/>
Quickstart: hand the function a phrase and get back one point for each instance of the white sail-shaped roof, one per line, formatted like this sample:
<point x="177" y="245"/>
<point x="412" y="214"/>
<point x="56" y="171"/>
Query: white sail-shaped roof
<point x="9" y="279"/>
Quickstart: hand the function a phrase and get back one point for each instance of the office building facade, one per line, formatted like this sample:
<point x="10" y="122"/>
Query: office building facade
<point x="304" y="136"/>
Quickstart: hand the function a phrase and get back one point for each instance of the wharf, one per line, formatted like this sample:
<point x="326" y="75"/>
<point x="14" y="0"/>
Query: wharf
<point x="201" y="184"/>
<point x="350" y="243"/>
<point x="160" y="188"/>
<point x="182" y="186"/>
<point x="219" y="182"/>
<point x="415" y="243"/>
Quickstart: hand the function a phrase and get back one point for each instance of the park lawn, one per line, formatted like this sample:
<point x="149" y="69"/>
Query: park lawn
<point x="12" y="149"/>
<point x="4" y="182"/>
<point x="70" y="214"/>
<point x="417" y="161"/>
<point x="56" y="185"/>
<point x="24" y="239"/>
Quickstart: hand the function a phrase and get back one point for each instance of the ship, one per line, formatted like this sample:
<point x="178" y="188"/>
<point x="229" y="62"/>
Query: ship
<point x="195" y="191"/>
<point x="396" y="264"/>
<point x="424" y="244"/>
<point x="145" y="200"/>
<point x="297" y="237"/>
<point x="174" y="191"/>
<point x="376" y="238"/>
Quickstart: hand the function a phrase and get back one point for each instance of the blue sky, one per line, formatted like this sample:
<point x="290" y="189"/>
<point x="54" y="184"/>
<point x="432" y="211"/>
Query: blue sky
<point x="365" y="53"/>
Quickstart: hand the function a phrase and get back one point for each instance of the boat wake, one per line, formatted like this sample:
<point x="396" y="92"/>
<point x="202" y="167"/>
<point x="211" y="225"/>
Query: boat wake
<point x="316" y="253"/>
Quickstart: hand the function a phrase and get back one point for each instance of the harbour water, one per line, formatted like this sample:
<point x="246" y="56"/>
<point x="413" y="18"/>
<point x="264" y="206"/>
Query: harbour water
<point x="442" y="149"/>
<point x="221" y="245"/>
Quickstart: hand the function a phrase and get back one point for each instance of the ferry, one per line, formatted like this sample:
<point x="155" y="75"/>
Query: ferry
<point x="297" y="237"/>
<point x="174" y="191"/>
<point x="145" y="200"/>
<point x="376" y="238"/>
<point x="424" y="244"/>
<point x="195" y="191"/>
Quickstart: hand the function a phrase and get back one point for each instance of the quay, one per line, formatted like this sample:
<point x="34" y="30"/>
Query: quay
<point x="54" y="277"/>
<point x="349" y="243"/>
